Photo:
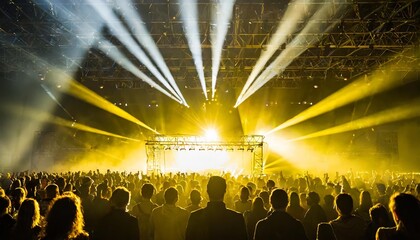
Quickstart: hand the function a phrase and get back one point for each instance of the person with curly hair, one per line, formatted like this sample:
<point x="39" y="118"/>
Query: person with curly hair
<point x="64" y="220"/>
<point x="27" y="226"/>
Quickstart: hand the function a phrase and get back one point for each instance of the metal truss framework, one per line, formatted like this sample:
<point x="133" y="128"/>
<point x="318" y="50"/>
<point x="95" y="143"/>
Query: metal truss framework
<point x="368" y="35"/>
<point x="156" y="145"/>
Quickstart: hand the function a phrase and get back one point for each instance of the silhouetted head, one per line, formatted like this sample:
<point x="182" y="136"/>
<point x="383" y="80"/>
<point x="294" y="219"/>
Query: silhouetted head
<point x="344" y="204"/>
<point x="29" y="214"/>
<point x="64" y="218"/>
<point x="313" y="198"/>
<point x="52" y="191"/>
<point x="365" y="200"/>
<point x="120" y="198"/>
<point x="294" y="199"/>
<point x="265" y="197"/>
<point x="195" y="197"/>
<point x="216" y="188"/>
<point x="270" y="184"/>
<point x="379" y="215"/>
<point x="279" y="199"/>
<point x="244" y="194"/>
<point x="405" y="208"/>
<point x="171" y="195"/>
<point x="257" y="204"/>
<point x="147" y="190"/>
<point x="329" y="200"/>
<point x="5" y="204"/>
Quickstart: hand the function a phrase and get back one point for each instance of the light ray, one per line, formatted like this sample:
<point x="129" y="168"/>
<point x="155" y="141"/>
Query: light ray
<point x="404" y="112"/>
<point x="121" y="33"/>
<point x="112" y="51"/>
<point x="190" y="22"/>
<point x="46" y="117"/>
<point x="142" y="35"/>
<point x="77" y="90"/>
<point x="361" y="88"/>
<point x="220" y="19"/>
<point x="294" y="12"/>
<point x="293" y="50"/>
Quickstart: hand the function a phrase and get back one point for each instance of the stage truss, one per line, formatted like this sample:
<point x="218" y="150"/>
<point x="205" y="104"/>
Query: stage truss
<point x="156" y="146"/>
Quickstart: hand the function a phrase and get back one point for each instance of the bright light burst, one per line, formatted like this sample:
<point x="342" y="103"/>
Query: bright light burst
<point x="211" y="134"/>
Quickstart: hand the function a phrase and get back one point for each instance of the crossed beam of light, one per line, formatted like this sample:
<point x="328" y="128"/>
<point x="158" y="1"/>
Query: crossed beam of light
<point x="289" y="22"/>
<point x="363" y="87"/>
<point x="399" y="113"/>
<point x="294" y="48"/>
<point x="220" y="22"/>
<point x="46" y="117"/>
<point x="81" y="92"/>
<point x="112" y="52"/>
<point x="51" y="95"/>
<point x="116" y="55"/>
<point x="142" y="35"/>
<point x="124" y="37"/>
<point x="190" y="22"/>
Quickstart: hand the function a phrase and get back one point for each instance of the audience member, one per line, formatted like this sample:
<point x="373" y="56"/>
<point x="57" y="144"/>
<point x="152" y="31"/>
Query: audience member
<point x="100" y="205"/>
<point x="64" y="219"/>
<point x="216" y="222"/>
<point x="17" y="196"/>
<point x="294" y="208"/>
<point x="252" y="216"/>
<point x="328" y="207"/>
<point x="405" y="210"/>
<point x="347" y="226"/>
<point x="313" y="216"/>
<point x="118" y="223"/>
<point x="279" y="225"/>
<point x="244" y="203"/>
<point x="365" y="204"/>
<point x="28" y="221"/>
<point x="51" y="192"/>
<point x="6" y="220"/>
<point x="195" y="198"/>
<point x="379" y="218"/>
<point x="266" y="199"/>
<point x="169" y="221"/>
<point x="143" y="210"/>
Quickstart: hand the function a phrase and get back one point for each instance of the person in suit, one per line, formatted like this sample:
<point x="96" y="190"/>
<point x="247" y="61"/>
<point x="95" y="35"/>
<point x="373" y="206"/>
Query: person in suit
<point x="118" y="223"/>
<point x="280" y="224"/>
<point x="215" y="221"/>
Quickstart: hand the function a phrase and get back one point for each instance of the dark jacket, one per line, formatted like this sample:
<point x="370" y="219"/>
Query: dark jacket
<point x="216" y="222"/>
<point x="278" y="226"/>
<point x="117" y="224"/>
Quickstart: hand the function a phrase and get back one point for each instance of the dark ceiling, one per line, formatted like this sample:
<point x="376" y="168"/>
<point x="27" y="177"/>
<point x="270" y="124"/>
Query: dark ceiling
<point x="364" y="35"/>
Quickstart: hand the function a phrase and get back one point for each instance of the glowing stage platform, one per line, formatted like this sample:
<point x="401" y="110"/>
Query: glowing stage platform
<point x="186" y="153"/>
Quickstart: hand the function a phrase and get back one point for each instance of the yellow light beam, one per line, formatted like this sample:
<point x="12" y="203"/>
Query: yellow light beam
<point x="403" y="112"/>
<point x="46" y="117"/>
<point x="81" y="92"/>
<point x="362" y="87"/>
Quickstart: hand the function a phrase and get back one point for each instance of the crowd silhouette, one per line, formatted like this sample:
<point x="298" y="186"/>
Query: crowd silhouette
<point x="131" y="206"/>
